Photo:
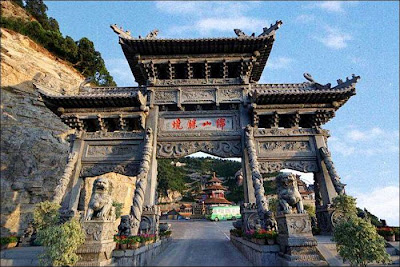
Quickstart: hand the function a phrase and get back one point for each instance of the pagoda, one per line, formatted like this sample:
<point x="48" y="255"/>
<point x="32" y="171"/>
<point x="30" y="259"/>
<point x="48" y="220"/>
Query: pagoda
<point x="214" y="193"/>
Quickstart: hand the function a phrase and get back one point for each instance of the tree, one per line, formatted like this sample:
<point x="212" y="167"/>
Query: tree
<point x="91" y="64"/>
<point x="38" y="9"/>
<point x="358" y="242"/>
<point x="346" y="205"/>
<point x="19" y="2"/>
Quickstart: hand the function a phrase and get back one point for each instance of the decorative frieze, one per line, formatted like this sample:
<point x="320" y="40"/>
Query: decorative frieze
<point x="96" y="169"/>
<point x="180" y="149"/>
<point x="297" y="165"/>
<point x="284" y="146"/>
<point x="113" y="135"/>
<point x="123" y="151"/>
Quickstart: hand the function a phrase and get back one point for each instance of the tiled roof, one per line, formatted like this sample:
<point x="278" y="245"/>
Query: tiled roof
<point x="243" y="44"/>
<point x="307" y="92"/>
<point x="216" y="201"/>
<point x="96" y="97"/>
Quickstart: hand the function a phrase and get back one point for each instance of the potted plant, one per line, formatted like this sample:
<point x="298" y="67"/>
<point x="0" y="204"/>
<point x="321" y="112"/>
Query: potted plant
<point x="9" y="242"/>
<point x="387" y="233"/>
<point x="271" y="237"/>
<point x="249" y="235"/>
<point x="123" y="242"/>
<point x="134" y="242"/>
<point x="260" y="236"/>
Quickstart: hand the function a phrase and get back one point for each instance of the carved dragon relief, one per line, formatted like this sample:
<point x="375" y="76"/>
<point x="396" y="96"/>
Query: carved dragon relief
<point x="231" y="148"/>
<point x="297" y="165"/>
<point x="64" y="181"/>
<point x="261" y="201"/>
<point x="141" y="182"/>
<point x="326" y="156"/>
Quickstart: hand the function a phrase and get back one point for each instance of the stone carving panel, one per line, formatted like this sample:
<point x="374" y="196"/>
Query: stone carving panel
<point x="283" y="146"/>
<point x="229" y="95"/>
<point x="231" y="148"/>
<point x="198" y="95"/>
<point x="111" y="151"/>
<point x="128" y="169"/>
<point x="300" y="165"/>
<point x="114" y="135"/>
<point x="165" y="96"/>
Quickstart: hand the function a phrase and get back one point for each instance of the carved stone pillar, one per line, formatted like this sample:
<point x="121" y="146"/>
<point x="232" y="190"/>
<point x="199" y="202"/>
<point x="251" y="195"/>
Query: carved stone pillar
<point x="150" y="195"/>
<point x="248" y="189"/>
<point x="261" y="201"/>
<point x="141" y="183"/>
<point x="69" y="202"/>
<point x="326" y="190"/>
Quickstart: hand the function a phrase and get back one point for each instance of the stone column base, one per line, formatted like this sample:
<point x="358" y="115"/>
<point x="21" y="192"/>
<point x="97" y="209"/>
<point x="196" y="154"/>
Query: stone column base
<point x="298" y="247"/>
<point x="324" y="219"/>
<point x="99" y="244"/>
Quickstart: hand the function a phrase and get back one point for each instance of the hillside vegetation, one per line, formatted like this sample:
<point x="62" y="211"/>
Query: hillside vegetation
<point x="45" y="31"/>
<point x="190" y="179"/>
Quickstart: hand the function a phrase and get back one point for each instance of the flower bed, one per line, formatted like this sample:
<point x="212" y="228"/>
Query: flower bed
<point x="260" y="237"/>
<point x="387" y="232"/>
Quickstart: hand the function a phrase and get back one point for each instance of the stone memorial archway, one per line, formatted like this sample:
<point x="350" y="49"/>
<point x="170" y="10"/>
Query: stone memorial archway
<point x="200" y="95"/>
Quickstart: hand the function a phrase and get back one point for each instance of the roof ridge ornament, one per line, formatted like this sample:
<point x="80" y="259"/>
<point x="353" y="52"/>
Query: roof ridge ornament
<point x="241" y="34"/>
<point x="152" y="34"/>
<point x="121" y="33"/>
<point x="271" y="30"/>
<point x="354" y="79"/>
<point x="310" y="78"/>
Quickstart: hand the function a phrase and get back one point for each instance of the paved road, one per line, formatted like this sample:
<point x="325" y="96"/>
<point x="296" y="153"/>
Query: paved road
<point x="200" y="243"/>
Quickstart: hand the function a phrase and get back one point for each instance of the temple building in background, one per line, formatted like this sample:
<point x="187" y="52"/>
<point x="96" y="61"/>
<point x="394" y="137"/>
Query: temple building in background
<point x="214" y="193"/>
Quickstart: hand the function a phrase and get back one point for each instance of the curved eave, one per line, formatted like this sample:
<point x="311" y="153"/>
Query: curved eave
<point x="123" y="99"/>
<point x="300" y="94"/>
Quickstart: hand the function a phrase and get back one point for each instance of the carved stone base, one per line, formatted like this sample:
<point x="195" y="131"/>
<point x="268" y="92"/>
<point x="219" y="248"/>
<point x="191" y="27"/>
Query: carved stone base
<point x="150" y="220"/>
<point x="325" y="220"/>
<point x="99" y="243"/>
<point x="250" y="218"/>
<point x="298" y="247"/>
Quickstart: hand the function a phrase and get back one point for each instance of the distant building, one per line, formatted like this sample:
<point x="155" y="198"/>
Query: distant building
<point x="214" y="193"/>
<point x="307" y="192"/>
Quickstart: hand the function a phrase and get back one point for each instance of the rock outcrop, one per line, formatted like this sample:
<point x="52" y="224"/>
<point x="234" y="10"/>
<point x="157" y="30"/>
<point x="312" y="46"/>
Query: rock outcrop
<point x="33" y="150"/>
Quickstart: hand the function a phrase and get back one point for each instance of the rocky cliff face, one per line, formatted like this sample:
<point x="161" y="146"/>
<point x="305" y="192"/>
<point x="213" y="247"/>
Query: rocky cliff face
<point x="33" y="149"/>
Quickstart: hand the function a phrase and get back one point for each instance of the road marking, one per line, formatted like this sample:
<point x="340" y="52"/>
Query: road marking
<point x="219" y="228"/>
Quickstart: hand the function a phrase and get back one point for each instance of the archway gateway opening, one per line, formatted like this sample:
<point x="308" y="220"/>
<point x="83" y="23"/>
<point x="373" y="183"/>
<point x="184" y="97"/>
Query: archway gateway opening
<point x="186" y="186"/>
<point x="200" y="95"/>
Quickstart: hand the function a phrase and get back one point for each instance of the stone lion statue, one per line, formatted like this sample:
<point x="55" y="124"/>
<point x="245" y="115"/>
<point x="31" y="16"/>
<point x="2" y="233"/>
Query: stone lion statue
<point x="100" y="204"/>
<point x="124" y="228"/>
<point x="288" y="193"/>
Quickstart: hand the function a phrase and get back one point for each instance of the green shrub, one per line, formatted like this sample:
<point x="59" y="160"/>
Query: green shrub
<point x="346" y="205"/>
<point x="46" y="215"/>
<point x="358" y="242"/>
<point x="61" y="243"/>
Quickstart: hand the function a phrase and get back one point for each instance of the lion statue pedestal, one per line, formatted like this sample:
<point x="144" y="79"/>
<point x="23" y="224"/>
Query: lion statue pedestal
<point x="99" y="226"/>
<point x="298" y="247"/>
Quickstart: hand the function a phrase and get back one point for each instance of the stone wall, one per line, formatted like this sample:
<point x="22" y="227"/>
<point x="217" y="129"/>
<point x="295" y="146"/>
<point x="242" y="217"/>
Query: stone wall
<point x="33" y="146"/>
<point x="259" y="255"/>
<point x="141" y="256"/>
